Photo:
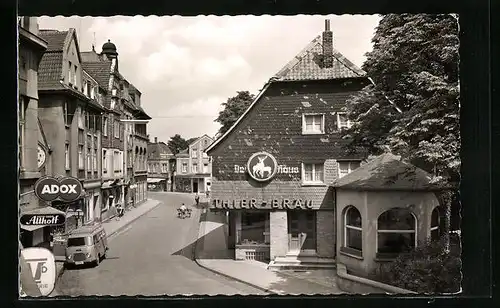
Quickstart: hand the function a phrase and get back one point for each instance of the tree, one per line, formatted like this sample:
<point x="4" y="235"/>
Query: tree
<point x="177" y="144"/>
<point x="190" y="140"/>
<point x="412" y="107"/>
<point x="234" y="107"/>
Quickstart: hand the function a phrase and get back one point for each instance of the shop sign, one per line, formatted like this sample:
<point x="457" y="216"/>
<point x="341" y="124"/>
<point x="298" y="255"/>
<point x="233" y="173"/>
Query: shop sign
<point x="274" y="204"/>
<point x="42" y="219"/>
<point x="282" y="169"/>
<point x="65" y="188"/>
<point x="262" y="166"/>
<point x="43" y="267"/>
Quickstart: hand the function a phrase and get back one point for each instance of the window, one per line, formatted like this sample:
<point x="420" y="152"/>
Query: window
<point x="205" y="142"/>
<point x="194" y="153"/>
<point x="81" y="118"/>
<point x="435" y="221"/>
<point x="80" y="157"/>
<point x="94" y="160"/>
<point x="116" y="161"/>
<point x="66" y="156"/>
<point x="396" y="232"/>
<point x="313" y="173"/>
<point x="104" y="161"/>
<point x="75" y="76"/>
<point x="346" y="167"/>
<point x="205" y="168"/>
<point x="313" y="124"/>
<point x="117" y="129"/>
<point x="253" y="228"/>
<point x="195" y="168"/>
<point x="92" y="92"/>
<point x="352" y="230"/>
<point x="66" y="113"/>
<point x="184" y="167"/>
<point x="342" y="121"/>
<point x="114" y="92"/>
<point x="22" y="129"/>
<point x="113" y="103"/>
<point x="70" y="72"/>
<point x="164" y="168"/>
<point x="89" y="161"/>
<point x="105" y="127"/>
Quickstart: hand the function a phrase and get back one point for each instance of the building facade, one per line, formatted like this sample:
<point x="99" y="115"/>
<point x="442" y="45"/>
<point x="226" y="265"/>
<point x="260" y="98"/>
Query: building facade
<point x="70" y="123"/>
<point x="194" y="167"/>
<point x="160" y="164"/>
<point x="33" y="150"/>
<point x="272" y="169"/>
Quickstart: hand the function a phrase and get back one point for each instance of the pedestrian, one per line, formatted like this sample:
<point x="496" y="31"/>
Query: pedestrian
<point x="119" y="210"/>
<point x="197" y="199"/>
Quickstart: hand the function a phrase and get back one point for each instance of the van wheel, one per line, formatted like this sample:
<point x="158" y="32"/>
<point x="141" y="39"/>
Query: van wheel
<point x="96" y="262"/>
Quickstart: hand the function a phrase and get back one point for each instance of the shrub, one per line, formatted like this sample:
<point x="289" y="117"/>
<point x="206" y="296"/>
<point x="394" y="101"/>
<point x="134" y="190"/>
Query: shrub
<point x="427" y="269"/>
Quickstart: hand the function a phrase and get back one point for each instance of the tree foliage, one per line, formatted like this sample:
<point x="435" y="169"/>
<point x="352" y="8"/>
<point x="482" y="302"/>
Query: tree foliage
<point x="177" y="144"/>
<point x="412" y="107"/>
<point x="234" y="107"/>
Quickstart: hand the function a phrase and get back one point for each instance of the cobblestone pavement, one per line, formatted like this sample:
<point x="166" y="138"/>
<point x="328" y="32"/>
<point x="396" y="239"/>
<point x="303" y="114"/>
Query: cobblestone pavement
<point x="152" y="256"/>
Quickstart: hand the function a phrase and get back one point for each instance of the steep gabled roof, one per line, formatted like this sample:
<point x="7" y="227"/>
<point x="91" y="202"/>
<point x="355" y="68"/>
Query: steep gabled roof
<point x="155" y="150"/>
<point x="100" y="71"/>
<point x="387" y="172"/>
<point x="308" y="65"/>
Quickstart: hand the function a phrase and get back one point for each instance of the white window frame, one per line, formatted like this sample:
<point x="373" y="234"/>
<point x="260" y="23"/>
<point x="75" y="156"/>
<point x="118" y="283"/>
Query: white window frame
<point x="75" y="76"/>
<point x="105" y="128"/>
<point x="104" y="161"/>
<point x="313" y="132"/>
<point x="194" y="152"/>
<point x="313" y="182"/>
<point x="94" y="160"/>
<point x="349" y="123"/>
<point x="67" y="161"/>
<point x="70" y="71"/>
<point x="116" y="129"/>
<point x="85" y="92"/>
<point x="184" y="167"/>
<point x="396" y="231"/>
<point x="349" y="168"/>
<point x="194" y="168"/>
<point x="205" y="168"/>
<point x="346" y="226"/>
<point x="81" y="161"/>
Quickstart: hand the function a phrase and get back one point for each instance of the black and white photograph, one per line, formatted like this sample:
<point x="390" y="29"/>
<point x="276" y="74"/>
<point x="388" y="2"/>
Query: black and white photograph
<point x="239" y="155"/>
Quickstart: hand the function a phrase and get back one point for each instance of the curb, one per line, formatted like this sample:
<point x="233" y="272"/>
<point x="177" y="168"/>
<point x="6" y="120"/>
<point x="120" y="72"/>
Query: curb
<point x="203" y="215"/>
<point x="61" y="272"/>
<point x="133" y="220"/>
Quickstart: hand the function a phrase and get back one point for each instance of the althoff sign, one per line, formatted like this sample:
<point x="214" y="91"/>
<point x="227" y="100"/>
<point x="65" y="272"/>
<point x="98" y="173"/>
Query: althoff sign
<point x="66" y="188"/>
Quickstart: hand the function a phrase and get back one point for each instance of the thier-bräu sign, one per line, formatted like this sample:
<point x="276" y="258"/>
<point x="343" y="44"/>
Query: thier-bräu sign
<point x="42" y="219"/>
<point x="274" y="204"/>
<point x="66" y="188"/>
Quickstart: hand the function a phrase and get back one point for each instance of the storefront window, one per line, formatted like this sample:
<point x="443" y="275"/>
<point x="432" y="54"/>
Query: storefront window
<point x="396" y="231"/>
<point x="353" y="230"/>
<point x="253" y="228"/>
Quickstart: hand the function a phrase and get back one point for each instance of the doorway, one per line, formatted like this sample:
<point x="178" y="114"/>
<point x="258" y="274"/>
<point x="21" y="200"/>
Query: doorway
<point x="195" y="185"/>
<point x="301" y="231"/>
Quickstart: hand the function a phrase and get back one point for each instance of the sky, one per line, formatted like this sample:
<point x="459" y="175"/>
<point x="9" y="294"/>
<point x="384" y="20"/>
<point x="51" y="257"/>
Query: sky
<point x="186" y="67"/>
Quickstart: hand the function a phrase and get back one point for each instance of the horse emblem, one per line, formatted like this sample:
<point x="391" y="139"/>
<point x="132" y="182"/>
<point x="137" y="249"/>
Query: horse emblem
<point x="261" y="171"/>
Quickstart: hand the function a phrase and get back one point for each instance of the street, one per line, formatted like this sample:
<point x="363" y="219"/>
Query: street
<point x="152" y="256"/>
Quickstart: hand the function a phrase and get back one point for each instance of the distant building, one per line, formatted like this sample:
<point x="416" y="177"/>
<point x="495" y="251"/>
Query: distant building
<point x="34" y="151"/>
<point x="194" y="167"/>
<point x="160" y="165"/>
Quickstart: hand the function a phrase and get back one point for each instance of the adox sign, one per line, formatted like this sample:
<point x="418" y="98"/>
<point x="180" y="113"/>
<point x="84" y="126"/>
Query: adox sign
<point x="262" y="166"/>
<point x="66" y="188"/>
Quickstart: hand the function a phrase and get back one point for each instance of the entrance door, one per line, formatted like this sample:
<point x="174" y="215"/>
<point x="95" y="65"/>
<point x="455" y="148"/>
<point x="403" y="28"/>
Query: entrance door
<point x="301" y="231"/>
<point x="195" y="185"/>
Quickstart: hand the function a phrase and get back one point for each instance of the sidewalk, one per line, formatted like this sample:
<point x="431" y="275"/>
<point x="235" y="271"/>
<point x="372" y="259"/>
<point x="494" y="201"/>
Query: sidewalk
<point x="212" y="254"/>
<point x="114" y="225"/>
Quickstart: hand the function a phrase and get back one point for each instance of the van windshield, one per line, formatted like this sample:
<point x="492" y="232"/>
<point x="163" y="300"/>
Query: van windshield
<point x="79" y="241"/>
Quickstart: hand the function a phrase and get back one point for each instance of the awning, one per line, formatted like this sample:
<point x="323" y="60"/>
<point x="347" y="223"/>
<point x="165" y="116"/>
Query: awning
<point x="32" y="228"/>
<point x="107" y="184"/>
<point x="44" y="210"/>
<point x="155" y="180"/>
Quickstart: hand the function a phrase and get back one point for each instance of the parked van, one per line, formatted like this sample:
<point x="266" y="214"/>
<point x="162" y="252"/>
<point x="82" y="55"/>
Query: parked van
<point x="87" y="244"/>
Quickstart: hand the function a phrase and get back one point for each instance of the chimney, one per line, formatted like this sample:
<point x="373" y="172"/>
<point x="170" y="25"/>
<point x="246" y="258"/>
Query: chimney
<point x="327" y="45"/>
<point x="156" y="139"/>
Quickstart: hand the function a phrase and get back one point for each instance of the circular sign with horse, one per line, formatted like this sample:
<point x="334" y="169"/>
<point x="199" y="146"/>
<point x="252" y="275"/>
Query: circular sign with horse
<point x="262" y="166"/>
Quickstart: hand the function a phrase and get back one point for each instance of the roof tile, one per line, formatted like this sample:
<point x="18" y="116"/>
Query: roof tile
<point x="308" y="65"/>
<point x="54" y="38"/>
<point x="50" y="70"/>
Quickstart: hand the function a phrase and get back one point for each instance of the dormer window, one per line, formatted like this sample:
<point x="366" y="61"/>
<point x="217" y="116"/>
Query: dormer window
<point x="92" y="92"/>
<point x="114" y="92"/>
<point x="113" y="102"/>
<point x="342" y="121"/>
<point x="313" y="124"/>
